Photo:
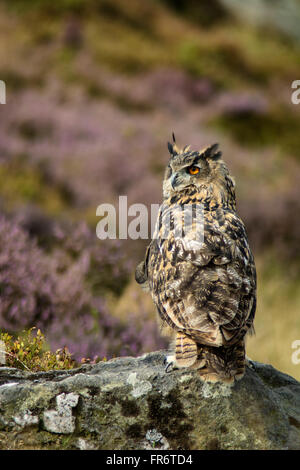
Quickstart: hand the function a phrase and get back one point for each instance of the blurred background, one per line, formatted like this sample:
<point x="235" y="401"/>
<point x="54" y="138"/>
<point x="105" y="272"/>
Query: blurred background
<point x="94" y="89"/>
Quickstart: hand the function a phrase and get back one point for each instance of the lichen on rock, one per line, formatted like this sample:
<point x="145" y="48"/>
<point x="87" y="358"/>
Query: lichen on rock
<point x="61" y="420"/>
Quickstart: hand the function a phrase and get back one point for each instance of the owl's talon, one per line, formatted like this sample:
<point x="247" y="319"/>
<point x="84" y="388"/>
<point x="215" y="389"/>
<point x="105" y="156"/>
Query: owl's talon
<point x="170" y="361"/>
<point x="168" y="366"/>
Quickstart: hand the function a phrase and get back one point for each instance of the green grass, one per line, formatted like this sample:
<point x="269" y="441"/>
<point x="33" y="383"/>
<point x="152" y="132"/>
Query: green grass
<point x="21" y="183"/>
<point x="279" y="128"/>
<point x="29" y="351"/>
<point x="135" y="37"/>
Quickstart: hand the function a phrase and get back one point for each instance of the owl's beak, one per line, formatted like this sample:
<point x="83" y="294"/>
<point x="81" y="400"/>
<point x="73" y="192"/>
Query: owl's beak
<point x="174" y="180"/>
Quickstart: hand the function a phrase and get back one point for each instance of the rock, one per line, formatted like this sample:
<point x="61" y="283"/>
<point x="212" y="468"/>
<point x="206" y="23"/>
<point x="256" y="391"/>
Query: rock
<point x="132" y="403"/>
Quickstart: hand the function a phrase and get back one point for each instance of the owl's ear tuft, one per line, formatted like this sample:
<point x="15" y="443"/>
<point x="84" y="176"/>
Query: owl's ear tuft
<point x="212" y="152"/>
<point x="171" y="149"/>
<point x="186" y="148"/>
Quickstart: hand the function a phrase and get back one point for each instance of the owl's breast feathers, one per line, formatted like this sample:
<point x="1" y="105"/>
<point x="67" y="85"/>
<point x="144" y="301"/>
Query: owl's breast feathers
<point x="206" y="288"/>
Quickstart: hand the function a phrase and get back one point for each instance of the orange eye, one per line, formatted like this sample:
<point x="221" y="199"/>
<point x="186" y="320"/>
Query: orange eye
<point x="193" y="170"/>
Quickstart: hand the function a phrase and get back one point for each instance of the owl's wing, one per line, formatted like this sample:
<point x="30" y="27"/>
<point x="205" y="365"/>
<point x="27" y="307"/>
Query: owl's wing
<point x="141" y="272"/>
<point x="207" y="290"/>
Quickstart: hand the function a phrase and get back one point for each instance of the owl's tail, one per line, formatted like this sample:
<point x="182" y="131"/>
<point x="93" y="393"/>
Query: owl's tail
<point x="222" y="364"/>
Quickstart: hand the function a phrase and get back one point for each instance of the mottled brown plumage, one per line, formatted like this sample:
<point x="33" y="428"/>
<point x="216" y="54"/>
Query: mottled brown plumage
<point x="204" y="289"/>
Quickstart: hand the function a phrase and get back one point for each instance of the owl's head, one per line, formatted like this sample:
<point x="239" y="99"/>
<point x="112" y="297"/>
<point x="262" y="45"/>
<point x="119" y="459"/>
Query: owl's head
<point x="199" y="169"/>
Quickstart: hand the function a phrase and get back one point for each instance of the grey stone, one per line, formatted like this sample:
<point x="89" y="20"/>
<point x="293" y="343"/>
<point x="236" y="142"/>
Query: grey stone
<point x="132" y="403"/>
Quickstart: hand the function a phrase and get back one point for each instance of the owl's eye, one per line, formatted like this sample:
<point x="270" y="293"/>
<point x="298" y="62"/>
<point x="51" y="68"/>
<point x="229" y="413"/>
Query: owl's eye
<point x="193" y="170"/>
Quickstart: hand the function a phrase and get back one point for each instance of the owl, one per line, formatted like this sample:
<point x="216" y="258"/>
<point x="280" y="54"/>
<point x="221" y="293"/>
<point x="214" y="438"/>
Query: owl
<point x="199" y="268"/>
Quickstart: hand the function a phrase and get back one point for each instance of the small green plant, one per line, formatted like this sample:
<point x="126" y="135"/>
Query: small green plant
<point x="29" y="351"/>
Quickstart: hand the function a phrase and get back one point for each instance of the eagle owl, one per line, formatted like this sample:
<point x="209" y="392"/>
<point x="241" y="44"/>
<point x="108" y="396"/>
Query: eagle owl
<point x="202" y="280"/>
